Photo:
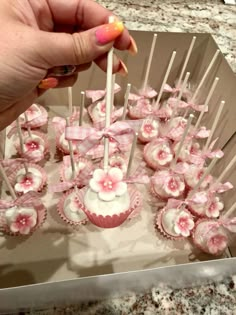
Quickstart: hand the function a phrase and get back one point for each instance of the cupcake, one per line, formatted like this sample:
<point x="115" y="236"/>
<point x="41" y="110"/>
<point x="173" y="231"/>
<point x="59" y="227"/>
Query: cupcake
<point x="166" y="184"/>
<point x="210" y="237"/>
<point x="69" y="209"/>
<point x="149" y="130"/>
<point x="24" y="218"/>
<point x="35" y="147"/>
<point x="83" y="169"/>
<point x="158" y="154"/>
<point x="175" y="223"/>
<point x="205" y="205"/>
<point x="107" y="201"/>
<point x="34" y="180"/>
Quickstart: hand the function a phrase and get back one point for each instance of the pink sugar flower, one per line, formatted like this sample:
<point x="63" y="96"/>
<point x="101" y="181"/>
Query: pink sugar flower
<point x="101" y="106"/>
<point x="217" y="243"/>
<point x="184" y="224"/>
<point x="33" y="144"/>
<point x="27" y="182"/>
<point x="24" y="220"/>
<point x="162" y="153"/>
<point x="214" y="208"/>
<point x="149" y="128"/>
<point x="174" y="186"/>
<point x="108" y="185"/>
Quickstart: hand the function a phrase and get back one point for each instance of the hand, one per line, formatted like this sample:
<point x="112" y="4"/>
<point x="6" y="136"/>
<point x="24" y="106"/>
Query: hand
<point x="38" y="37"/>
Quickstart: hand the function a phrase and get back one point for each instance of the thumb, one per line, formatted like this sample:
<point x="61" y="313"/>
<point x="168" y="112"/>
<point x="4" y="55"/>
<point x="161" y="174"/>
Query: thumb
<point x="58" y="49"/>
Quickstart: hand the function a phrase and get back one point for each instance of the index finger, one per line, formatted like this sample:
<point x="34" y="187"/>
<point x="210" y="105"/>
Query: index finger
<point x="86" y="14"/>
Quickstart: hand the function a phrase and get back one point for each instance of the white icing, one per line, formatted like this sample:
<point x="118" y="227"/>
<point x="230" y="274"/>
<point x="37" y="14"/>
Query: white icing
<point x="100" y="207"/>
<point x="162" y="186"/>
<point x="193" y="175"/>
<point x="149" y="129"/>
<point x="65" y="144"/>
<point x="169" y="222"/>
<point x="71" y="210"/>
<point x="158" y="155"/>
<point x="98" y="111"/>
<point x="15" y="219"/>
<point x="31" y="180"/>
<point x="79" y="166"/>
<point x="38" y="148"/>
<point x="203" y="234"/>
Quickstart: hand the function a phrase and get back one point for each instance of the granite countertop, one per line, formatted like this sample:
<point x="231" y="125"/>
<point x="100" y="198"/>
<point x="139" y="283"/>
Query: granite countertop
<point x="211" y="299"/>
<point x="212" y="17"/>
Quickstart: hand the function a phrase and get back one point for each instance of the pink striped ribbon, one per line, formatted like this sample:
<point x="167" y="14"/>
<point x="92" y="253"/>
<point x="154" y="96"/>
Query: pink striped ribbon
<point x="120" y="132"/>
<point x="30" y="199"/>
<point x="96" y="95"/>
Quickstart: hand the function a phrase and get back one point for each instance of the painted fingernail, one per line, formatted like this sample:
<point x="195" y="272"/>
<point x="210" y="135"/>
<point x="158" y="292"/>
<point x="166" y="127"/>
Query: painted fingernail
<point x="133" y="49"/>
<point x="62" y="71"/>
<point x="48" y="83"/>
<point x="123" y="71"/>
<point x="109" y="32"/>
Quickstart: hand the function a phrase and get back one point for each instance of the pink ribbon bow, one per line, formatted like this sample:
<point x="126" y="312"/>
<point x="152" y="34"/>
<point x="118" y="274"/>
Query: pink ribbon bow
<point x="220" y="188"/>
<point x="182" y="105"/>
<point x="12" y="162"/>
<point x="120" y="132"/>
<point x="147" y="93"/>
<point x="169" y="89"/>
<point x="139" y="176"/>
<point x="199" y="159"/>
<point x="96" y="95"/>
<point x="114" y="116"/>
<point x="30" y="199"/>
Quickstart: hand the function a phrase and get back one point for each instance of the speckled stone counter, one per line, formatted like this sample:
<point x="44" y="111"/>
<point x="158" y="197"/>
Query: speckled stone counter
<point x="212" y="299"/>
<point x="212" y="17"/>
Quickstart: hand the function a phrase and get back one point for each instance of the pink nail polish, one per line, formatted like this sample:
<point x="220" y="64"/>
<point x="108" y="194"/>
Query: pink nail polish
<point x="109" y="32"/>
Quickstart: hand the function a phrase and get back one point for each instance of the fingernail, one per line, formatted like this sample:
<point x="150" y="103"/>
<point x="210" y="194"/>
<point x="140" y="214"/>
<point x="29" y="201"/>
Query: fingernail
<point x="133" y="49"/>
<point x="123" y="71"/>
<point x="48" y="83"/>
<point x="62" y="71"/>
<point x="109" y="32"/>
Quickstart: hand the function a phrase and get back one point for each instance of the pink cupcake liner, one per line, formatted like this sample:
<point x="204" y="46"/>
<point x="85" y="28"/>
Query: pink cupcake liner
<point x="161" y="229"/>
<point x="42" y="216"/>
<point x="60" y="211"/>
<point x="114" y="220"/>
<point x="36" y="133"/>
<point x="12" y="176"/>
<point x="197" y="244"/>
<point x="89" y="167"/>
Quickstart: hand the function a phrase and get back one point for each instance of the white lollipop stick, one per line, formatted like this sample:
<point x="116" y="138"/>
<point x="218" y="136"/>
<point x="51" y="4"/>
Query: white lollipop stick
<point x="19" y="131"/>
<point x="207" y="171"/>
<point x="182" y="139"/>
<point x="225" y="171"/>
<point x="183" y="86"/>
<point x="204" y="76"/>
<point x="28" y="129"/>
<point x="81" y="108"/>
<point x="72" y="162"/>
<point x="165" y="78"/>
<point x="70" y="100"/>
<point x="186" y="61"/>
<point x="206" y="102"/>
<point x="113" y="87"/>
<point x="149" y="62"/>
<point x="109" y="98"/>
<point x="230" y="211"/>
<point x="4" y="176"/>
<point x="216" y="120"/>
<point x="131" y="157"/>
<point x="126" y="101"/>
